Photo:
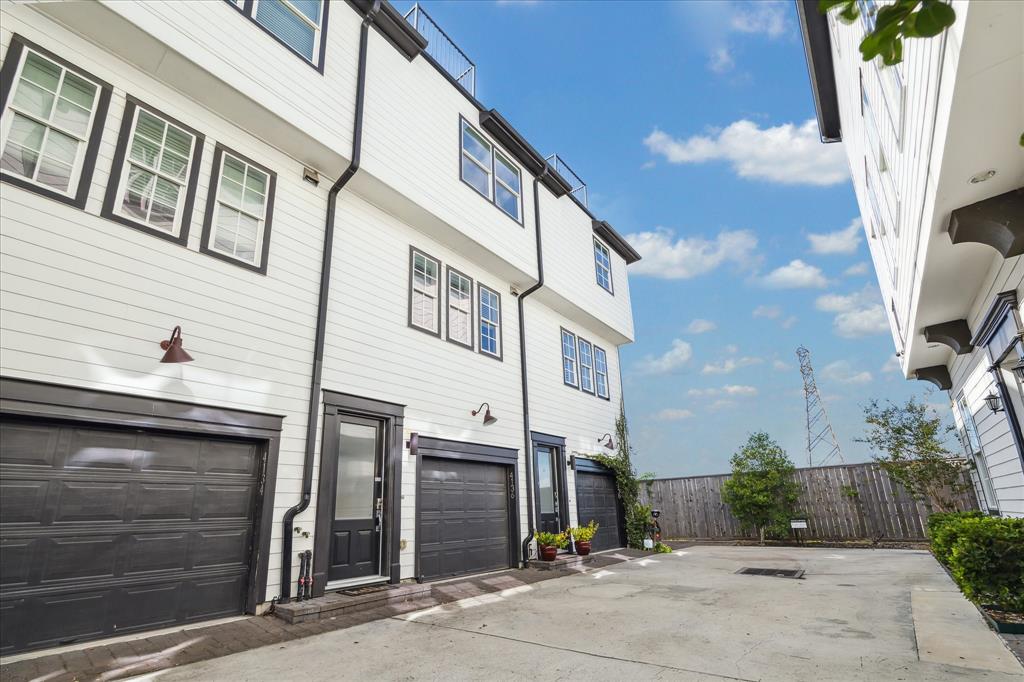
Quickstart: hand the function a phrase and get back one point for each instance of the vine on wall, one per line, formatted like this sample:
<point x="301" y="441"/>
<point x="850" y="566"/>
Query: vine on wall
<point x="628" y="483"/>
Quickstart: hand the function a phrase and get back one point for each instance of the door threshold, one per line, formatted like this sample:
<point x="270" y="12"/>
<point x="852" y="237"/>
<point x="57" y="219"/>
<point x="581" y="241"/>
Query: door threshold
<point x="354" y="582"/>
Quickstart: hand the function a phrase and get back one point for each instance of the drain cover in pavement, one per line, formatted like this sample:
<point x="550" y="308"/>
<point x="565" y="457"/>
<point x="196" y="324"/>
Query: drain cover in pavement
<point x="774" y="572"/>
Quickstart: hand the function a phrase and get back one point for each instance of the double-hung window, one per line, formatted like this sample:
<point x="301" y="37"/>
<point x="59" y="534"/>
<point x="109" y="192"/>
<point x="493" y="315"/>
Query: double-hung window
<point x="586" y="366"/>
<point x="298" y="24"/>
<point x="155" y="171"/>
<point x="490" y="172"/>
<point x="424" y="292"/>
<point x="477" y="160"/>
<point x="460" y="308"/>
<point x="972" y="444"/>
<point x="601" y="372"/>
<point x="489" y="302"/>
<point x="239" y="210"/>
<point x="507" y="186"/>
<point x="51" y="123"/>
<point x="603" y="265"/>
<point x="569" y="372"/>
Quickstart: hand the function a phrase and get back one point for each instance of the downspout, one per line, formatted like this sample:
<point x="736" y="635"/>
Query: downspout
<point x="321" y="319"/>
<point x="527" y="434"/>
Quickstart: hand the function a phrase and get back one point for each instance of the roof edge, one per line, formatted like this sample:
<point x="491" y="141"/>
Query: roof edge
<point x="616" y="241"/>
<point x="820" y="69"/>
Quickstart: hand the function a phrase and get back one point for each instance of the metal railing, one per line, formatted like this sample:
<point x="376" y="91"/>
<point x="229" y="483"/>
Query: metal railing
<point x="443" y="49"/>
<point x="578" y="187"/>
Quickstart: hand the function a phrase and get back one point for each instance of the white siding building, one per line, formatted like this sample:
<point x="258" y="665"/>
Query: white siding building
<point x="196" y="165"/>
<point x="939" y="176"/>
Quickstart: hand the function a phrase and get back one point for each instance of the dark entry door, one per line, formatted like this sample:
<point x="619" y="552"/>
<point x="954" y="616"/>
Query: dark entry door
<point x="548" y="488"/>
<point x="358" y="499"/>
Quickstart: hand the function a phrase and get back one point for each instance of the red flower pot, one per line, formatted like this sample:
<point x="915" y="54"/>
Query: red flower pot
<point x="583" y="548"/>
<point x="548" y="553"/>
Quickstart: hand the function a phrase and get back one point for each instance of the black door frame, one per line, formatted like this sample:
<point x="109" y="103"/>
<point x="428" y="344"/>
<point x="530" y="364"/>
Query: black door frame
<point x="556" y="443"/>
<point x="441" y="448"/>
<point x="25" y="398"/>
<point x="393" y="416"/>
<point x="582" y="465"/>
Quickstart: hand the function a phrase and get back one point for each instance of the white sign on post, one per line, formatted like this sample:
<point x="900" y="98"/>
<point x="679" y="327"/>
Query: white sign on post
<point x="798" y="523"/>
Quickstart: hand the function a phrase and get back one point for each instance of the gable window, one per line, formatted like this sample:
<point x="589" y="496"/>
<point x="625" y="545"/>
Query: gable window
<point x="460" y="308"/>
<point x="569" y="373"/>
<point x="601" y="372"/>
<point x="154" y="175"/>
<point x="586" y="366"/>
<point x="507" y="185"/>
<point x="52" y="121"/>
<point x="299" y="25"/>
<point x="489" y="302"/>
<point x="603" y="265"/>
<point x="490" y="172"/>
<point x="424" y="292"/>
<point x="239" y="209"/>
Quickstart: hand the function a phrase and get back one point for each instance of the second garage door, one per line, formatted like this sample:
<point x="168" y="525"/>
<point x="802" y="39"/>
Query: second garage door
<point x="464" y="517"/>
<point x="597" y="499"/>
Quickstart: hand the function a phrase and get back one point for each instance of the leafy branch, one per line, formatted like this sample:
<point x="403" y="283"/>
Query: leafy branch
<point x="893" y="23"/>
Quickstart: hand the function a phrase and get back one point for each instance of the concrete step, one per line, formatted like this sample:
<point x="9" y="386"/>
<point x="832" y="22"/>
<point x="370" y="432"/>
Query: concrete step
<point x="561" y="562"/>
<point x="335" y="603"/>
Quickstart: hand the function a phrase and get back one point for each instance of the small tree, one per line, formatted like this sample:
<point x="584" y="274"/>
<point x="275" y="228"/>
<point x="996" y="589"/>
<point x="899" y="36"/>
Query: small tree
<point x="761" y="492"/>
<point x="909" y="445"/>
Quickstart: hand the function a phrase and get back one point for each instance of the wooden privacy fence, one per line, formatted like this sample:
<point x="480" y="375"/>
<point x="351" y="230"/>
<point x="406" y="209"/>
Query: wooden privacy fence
<point x="844" y="502"/>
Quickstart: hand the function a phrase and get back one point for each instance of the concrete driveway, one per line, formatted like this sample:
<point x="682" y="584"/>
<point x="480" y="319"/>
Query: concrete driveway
<point x="856" y="615"/>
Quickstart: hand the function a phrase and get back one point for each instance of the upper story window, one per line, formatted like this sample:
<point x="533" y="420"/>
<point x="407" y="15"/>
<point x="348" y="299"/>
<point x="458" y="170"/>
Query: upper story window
<point x="424" y="292"/>
<point x="893" y="90"/>
<point x="155" y="172"/>
<point x="51" y="122"/>
<point x="569" y="373"/>
<point x="586" y="366"/>
<point x="239" y="211"/>
<point x="601" y="372"/>
<point x="460" y="308"/>
<point x="490" y="172"/>
<point x="490" y="321"/>
<point x="300" y="25"/>
<point x="603" y="265"/>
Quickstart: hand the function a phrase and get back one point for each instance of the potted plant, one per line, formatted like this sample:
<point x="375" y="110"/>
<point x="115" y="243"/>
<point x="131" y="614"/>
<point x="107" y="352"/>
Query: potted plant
<point x="582" y="536"/>
<point x="548" y="544"/>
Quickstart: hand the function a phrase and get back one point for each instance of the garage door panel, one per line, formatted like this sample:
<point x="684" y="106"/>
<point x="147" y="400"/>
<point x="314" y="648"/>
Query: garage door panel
<point x="156" y="552"/>
<point x="220" y="548"/>
<point x="223" y="502"/>
<point x="164" y="502"/>
<point x="167" y="454"/>
<point x="80" y="501"/>
<point x="66" y="617"/>
<point x="23" y="501"/>
<point x="215" y="597"/>
<point x="96" y="449"/>
<point x="237" y="459"/>
<point x="28" y="444"/>
<point x="147" y="606"/>
<point x="77" y="558"/>
<point x="15" y="561"/>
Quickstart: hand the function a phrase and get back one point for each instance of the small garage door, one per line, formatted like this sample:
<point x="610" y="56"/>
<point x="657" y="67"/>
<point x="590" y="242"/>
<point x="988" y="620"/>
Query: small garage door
<point x="464" y="517"/>
<point x="108" y="531"/>
<point x="597" y="499"/>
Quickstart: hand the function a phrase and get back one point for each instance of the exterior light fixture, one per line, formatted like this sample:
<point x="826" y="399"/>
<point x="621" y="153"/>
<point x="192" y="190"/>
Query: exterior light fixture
<point x="1018" y="369"/>
<point x="174" y="351"/>
<point x="606" y="441"/>
<point x="982" y="176"/>
<point x="993" y="402"/>
<point x="488" y="417"/>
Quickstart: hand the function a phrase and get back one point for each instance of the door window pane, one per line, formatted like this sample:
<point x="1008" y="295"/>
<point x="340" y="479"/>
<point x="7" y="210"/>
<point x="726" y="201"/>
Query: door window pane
<point x="545" y="481"/>
<point x="357" y="457"/>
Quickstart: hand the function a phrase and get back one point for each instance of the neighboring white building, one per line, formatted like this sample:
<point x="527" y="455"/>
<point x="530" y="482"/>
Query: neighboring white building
<point x="939" y="176"/>
<point x="195" y="164"/>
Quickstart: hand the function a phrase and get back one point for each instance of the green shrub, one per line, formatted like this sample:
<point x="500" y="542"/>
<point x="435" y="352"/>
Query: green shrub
<point x="662" y="548"/>
<point x="583" y="533"/>
<point x="944" y="529"/>
<point x="941" y="518"/>
<point x="987" y="561"/>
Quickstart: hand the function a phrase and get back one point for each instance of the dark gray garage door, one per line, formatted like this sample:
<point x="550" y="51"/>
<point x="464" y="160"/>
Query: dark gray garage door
<point x="107" y="531"/>
<point x="464" y="517"/>
<point x="597" y="499"/>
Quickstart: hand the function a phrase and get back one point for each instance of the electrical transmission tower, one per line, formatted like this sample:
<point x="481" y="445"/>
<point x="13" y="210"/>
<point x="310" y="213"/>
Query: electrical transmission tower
<point x="821" y="438"/>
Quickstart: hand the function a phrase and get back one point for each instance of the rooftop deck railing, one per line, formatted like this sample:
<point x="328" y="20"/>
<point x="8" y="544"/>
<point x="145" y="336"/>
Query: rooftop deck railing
<point x="443" y="49"/>
<point x="578" y="187"/>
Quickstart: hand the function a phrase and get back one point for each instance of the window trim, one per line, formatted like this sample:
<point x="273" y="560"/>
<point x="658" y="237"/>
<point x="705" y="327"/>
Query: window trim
<point x="16" y="53"/>
<point x="117" y="170"/>
<point x="247" y="9"/>
<point x="492" y="196"/>
<point x="212" y="194"/>
<point x="591" y="369"/>
<point x="437" y="305"/>
<point x="611" y="281"/>
<point x="977" y="456"/>
<point x="449" y="270"/>
<point x="500" y="355"/>
<point x="575" y="360"/>
<point x="607" y="378"/>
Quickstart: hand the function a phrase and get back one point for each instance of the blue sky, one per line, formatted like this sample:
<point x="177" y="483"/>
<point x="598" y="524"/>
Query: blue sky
<point x="690" y="122"/>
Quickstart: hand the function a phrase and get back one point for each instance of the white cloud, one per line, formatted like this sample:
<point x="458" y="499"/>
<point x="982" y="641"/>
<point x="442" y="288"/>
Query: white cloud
<point x="845" y="240"/>
<point x="731" y="349"/>
<point x="787" y="154"/>
<point x="858" y="314"/>
<point x="767" y="18"/>
<point x="796" y="275"/>
<point x="722" y="404"/>
<point x="729" y="365"/>
<point x="856" y="270"/>
<point x="769" y="311"/>
<point x="892" y="366"/>
<point x="699" y="326"/>
<point x="672" y="414"/>
<point x="779" y="366"/>
<point x="842" y="372"/>
<point x="721" y="60"/>
<point x="734" y="390"/>
<point x="672" y="359"/>
<point x="666" y="257"/>
<point x="788" y="322"/>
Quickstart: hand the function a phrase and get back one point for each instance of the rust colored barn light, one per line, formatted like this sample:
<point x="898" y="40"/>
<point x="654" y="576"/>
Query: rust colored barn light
<point x="606" y="441"/>
<point x="173" y="350"/>
<point x="488" y="417"/>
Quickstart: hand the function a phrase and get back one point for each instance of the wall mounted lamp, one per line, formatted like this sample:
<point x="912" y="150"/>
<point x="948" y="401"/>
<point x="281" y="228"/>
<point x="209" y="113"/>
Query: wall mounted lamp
<point x="609" y="443"/>
<point x="173" y="350"/>
<point x="993" y="402"/>
<point x="488" y="417"/>
<point x="1018" y="369"/>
